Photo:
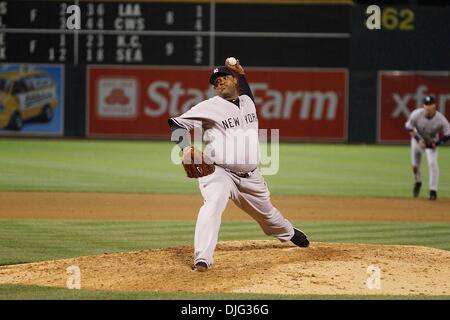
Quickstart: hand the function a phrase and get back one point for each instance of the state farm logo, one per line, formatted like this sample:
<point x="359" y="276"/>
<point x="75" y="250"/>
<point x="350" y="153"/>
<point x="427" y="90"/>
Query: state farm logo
<point x="274" y="104"/>
<point x="302" y="103"/>
<point x="117" y="98"/>
<point x="403" y="100"/>
<point x="174" y="99"/>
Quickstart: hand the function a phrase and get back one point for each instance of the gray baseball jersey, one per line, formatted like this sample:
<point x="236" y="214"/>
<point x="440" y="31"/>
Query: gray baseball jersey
<point x="230" y="132"/>
<point x="429" y="129"/>
<point x="231" y="141"/>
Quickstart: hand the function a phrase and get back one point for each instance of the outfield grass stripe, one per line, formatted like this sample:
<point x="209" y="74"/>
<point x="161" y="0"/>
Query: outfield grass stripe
<point x="388" y="226"/>
<point x="305" y="169"/>
<point x="22" y="240"/>
<point x="21" y="292"/>
<point x="371" y="231"/>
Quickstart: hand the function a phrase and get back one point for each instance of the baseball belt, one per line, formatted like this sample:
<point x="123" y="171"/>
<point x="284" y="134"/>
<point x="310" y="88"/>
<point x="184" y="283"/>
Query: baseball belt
<point x="241" y="174"/>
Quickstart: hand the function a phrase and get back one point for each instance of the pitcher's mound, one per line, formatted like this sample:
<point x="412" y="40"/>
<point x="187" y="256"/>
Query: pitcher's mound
<point x="257" y="267"/>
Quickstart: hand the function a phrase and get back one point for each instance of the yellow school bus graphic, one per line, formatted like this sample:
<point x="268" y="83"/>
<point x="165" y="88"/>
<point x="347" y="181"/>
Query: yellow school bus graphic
<point x="26" y="95"/>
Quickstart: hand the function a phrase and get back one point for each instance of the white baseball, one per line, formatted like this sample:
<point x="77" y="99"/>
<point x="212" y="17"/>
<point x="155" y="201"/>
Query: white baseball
<point x="231" y="61"/>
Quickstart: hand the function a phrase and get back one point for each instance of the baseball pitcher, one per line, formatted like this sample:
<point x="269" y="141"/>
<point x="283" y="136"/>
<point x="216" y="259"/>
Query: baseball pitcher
<point x="425" y="125"/>
<point x="228" y="168"/>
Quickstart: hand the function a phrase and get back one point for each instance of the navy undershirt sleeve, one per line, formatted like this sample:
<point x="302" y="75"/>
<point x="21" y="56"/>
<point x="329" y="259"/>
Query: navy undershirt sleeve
<point x="244" y="88"/>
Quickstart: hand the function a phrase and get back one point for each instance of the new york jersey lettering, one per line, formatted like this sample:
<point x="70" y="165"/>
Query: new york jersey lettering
<point x="250" y="118"/>
<point x="230" y="123"/>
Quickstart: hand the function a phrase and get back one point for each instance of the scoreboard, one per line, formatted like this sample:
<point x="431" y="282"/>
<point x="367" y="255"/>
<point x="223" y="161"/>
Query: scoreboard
<point x="116" y="38"/>
<point x="174" y="33"/>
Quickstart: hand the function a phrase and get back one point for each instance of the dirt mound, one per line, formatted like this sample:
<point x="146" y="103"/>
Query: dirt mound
<point x="253" y="266"/>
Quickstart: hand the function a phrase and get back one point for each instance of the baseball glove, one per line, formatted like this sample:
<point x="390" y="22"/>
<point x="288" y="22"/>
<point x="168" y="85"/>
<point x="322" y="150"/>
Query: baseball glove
<point x="427" y="143"/>
<point x="430" y="145"/>
<point x="422" y="143"/>
<point x="196" y="164"/>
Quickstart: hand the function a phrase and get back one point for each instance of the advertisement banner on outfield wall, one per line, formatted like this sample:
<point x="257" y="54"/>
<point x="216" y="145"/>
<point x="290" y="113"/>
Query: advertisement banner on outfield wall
<point x="31" y="99"/>
<point x="400" y="92"/>
<point x="136" y="102"/>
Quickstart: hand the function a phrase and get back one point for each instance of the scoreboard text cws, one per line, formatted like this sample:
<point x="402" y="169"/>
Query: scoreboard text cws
<point x="170" y="33"/>
<point x="122" y="33"/>
<point x="115" y="35"/>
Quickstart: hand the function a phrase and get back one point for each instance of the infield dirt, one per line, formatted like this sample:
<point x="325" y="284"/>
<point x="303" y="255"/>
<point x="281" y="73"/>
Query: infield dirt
<point x="264" y="266"/>
<point x="240" y="266"/>
<point x="125" y="206"/>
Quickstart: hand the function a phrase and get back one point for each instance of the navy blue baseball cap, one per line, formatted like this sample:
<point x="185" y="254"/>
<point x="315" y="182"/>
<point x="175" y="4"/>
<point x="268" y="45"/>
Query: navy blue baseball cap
<point x="220" y="72"/>
<point x="427" y="100"/>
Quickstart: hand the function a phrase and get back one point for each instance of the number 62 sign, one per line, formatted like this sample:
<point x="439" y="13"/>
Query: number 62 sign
<point x="389" y="18"/>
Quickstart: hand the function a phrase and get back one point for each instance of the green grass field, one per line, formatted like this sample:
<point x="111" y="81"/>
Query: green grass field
<point x="142" y="166"/>
<point x="39" y="240"/>
<point x="13" y="292"/>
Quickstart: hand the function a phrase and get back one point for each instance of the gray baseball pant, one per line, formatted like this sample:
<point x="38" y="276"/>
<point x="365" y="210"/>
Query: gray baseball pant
<point x="250" y="194"/>
<point x="433" y="168"/>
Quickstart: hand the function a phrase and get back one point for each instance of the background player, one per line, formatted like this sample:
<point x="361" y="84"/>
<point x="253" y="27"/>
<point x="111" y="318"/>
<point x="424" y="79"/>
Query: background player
<point x="424" y="125"/>
<point x="227" y="120"/>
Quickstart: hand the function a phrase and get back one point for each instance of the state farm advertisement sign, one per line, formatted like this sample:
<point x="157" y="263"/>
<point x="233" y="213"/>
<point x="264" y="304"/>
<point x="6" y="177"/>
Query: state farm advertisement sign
<point x="401" y="92"/>
<point x="136" y="102"/>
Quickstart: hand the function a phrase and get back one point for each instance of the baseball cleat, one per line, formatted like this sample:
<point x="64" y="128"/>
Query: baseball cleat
<point x="433" y="195"/>
<point x="416" y="189"/>
<point x="300" y="239"/>
<point x="200" y="266"/>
